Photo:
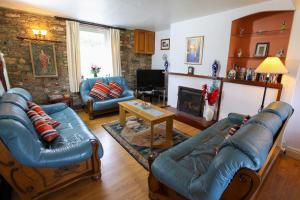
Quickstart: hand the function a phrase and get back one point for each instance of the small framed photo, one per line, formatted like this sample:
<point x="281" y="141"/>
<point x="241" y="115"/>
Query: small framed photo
<point x="262" y="49"/>
<point x="191" y="70"/>
<point x="165" y="44"/>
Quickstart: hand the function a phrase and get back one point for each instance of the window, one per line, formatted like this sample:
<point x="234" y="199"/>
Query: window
<point x="95" y="50"/>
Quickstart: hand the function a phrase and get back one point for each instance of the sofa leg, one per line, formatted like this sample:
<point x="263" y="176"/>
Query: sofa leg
<point x="96" y="178"/>
<point x="91" y="116"/>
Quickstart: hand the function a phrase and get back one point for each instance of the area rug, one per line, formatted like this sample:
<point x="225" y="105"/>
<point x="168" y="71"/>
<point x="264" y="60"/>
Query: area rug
<point x="135" y="137"/>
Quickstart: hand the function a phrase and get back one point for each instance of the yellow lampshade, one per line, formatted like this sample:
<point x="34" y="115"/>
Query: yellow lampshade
<point x="271" y="65"/>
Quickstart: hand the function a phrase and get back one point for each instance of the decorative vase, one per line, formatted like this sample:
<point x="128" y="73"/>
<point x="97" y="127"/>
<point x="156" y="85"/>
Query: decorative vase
<point x="215" y="68"/>
<point x="209" y="112"/>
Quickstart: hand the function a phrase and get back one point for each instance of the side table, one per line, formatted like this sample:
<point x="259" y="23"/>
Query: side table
<point x="58" y="98"/>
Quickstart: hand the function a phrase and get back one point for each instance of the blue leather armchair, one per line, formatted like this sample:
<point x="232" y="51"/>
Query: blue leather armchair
<point x="34" y="168"/>
<point x="193" y="169"/>
<point x="95" y="107"/>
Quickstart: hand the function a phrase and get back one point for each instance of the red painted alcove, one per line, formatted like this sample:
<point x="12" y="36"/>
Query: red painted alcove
<point x="264" y="27"/>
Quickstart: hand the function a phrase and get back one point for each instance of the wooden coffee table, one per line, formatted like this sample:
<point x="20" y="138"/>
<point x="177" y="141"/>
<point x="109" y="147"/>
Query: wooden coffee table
<point x="153" y="115"/>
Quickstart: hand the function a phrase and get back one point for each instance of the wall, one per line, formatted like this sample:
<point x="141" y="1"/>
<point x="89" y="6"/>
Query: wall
<point x="216" y="31"/>
<point x="131" y="61"/>
<point x="15" y="23"/>
<point x="157" y="61"/>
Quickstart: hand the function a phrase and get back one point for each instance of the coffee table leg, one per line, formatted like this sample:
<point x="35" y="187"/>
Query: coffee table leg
<point x="169" y="131"/>
<point x="122" y="116"/>
<point x="151" y="136"/>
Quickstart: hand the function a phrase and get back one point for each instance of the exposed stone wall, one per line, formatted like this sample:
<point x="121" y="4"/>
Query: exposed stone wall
<point x="15" y="23"/>
<point x="131" y="61"/>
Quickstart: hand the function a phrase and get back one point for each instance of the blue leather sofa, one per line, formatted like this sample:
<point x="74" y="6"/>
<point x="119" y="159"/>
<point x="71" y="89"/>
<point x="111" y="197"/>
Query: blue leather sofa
<point x="34" y="168"/>
<point x="193" y="169"/>
<point x="95" y="107"/>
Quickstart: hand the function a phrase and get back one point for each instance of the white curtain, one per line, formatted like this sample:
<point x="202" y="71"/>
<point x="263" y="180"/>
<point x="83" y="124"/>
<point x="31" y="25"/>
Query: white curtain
<point x="73" y="51"/>
<point x="115" y="51"/>
<point x="4" y="70"/>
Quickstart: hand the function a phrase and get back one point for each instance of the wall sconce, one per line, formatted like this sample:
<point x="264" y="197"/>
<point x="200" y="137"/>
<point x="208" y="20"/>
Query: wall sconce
<point x="39" y="33"/>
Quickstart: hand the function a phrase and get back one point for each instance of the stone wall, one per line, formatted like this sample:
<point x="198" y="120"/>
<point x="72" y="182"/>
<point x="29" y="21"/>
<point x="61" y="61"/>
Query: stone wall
<point x="131" y="61"/>
<point x="15" y="23"/>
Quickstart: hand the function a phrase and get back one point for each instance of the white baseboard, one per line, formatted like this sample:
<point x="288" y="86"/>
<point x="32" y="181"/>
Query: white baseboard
<point x="293" y="152"/>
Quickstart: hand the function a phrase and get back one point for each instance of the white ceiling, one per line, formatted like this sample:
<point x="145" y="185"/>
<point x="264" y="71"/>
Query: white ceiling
<point x="147" y="14"/>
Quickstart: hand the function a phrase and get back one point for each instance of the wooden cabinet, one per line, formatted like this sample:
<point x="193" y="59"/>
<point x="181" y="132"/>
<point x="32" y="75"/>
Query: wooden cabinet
<point x="144" y="41"/>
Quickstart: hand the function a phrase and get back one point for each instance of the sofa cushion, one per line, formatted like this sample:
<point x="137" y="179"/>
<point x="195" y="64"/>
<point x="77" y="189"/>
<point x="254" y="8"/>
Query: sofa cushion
<point x="99" y="91"/>
<point x="267" y="119"/>
<point x="46" y="131"/>
<point x="14" y="99"/>
<point x="73" y="131"/>
<point x="282" y="109"/>
<point x="21" y="92"/>
<point x="110" y="103"/>
<point x="116" y="90"/>
<point x="254" y="140"/>
<point x="43" y="114"/>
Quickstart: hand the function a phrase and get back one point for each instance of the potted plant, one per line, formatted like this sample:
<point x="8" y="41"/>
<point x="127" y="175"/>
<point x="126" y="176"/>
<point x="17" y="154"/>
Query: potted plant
<point x="95" y="70"/>
<point x="211" y="97"/>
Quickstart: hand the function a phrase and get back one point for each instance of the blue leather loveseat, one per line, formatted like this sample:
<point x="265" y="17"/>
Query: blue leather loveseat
<point x="95" y="107"/>
<point x="208" y="166"/>
<point x="35" y="168"/>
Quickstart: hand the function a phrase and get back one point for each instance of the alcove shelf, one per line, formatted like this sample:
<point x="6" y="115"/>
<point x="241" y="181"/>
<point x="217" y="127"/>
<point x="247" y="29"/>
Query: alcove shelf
<point x="272" y="27"/>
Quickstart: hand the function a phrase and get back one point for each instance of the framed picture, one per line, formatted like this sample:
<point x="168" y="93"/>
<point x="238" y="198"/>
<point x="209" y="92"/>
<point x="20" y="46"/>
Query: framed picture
<point x="261" y="49"/>
<point x="191" y="70"/>
<point x="165" y="44"/>
<point x="194" y="50"/>
<point x="43" y="59"/>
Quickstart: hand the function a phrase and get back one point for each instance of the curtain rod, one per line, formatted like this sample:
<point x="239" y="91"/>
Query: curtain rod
<point x="89" y="23"/>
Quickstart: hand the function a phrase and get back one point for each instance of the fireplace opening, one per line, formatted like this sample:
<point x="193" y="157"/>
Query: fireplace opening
<point x="190" y="101"/>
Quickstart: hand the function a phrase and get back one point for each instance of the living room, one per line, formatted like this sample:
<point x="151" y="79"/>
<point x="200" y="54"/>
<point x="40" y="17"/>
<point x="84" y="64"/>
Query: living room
<point x="106" y="100"/>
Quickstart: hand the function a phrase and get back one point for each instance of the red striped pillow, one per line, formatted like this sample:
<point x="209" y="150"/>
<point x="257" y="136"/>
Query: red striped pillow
<point x="47" y="132"/>
<point x="41" y="112"/>
<point x="115" y="89"/>
<point x="100" y="90"/>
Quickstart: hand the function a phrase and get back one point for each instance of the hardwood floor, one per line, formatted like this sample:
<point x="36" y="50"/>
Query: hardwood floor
<point x="124" y="178"/>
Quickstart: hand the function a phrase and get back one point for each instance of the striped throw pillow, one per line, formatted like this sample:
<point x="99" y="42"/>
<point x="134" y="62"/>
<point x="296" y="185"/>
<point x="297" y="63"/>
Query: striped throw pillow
<point x="46" y="131"/>
<point x="100" y="90"/>
<point x="41" y="112"/>
<point x="115" y="89"/>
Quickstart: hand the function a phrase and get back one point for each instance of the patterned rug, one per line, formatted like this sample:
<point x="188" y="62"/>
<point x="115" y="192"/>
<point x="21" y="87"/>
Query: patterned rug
<point x="135" y="137"/>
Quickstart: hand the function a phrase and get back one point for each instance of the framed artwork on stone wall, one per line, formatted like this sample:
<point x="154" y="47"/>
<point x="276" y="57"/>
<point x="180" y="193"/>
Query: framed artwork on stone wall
<point x="194" y="50"/>
<point x="43" y="59"/>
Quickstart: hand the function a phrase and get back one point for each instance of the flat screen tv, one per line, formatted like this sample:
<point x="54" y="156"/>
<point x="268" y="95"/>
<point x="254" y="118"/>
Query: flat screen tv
<point x="150" y="79"/>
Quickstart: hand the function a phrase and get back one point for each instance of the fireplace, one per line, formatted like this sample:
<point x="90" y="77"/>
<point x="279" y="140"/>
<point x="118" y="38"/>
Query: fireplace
<point x="190" y="101"/>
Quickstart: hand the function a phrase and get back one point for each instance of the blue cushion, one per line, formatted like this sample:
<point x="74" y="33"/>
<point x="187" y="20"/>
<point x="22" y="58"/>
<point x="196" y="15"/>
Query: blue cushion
<point x="254" y="140"/>
<point x="282" y="109"/>
<point x="22" y="92"/>
<point x="110" y="103"/>
<point x="14" y="99"/>
<point x="269" y="120"/>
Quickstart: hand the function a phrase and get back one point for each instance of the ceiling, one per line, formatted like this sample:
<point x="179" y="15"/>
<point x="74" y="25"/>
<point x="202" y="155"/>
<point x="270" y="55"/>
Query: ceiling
<point x="148" y="14"/>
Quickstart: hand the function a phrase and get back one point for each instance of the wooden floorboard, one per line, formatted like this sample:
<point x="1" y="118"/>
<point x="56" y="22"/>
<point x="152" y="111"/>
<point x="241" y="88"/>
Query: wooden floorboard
<point x="123" y="178"/>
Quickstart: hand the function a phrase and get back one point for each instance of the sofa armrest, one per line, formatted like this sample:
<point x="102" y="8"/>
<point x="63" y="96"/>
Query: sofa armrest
<point x="65" y="156"/>
<point x="53" y="108"/>
<point x="128" y="93"/>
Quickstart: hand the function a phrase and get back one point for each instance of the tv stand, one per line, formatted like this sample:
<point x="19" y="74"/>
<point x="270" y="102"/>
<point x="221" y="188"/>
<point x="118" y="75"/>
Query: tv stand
<point x="143" y="92"/>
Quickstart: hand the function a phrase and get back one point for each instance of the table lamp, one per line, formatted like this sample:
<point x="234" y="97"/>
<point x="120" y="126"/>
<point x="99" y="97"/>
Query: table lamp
<point x="271" y="65"/>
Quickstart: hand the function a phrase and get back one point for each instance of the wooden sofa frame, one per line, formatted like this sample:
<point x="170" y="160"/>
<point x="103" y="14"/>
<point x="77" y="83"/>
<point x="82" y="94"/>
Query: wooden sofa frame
<point x="244" y="185"/>
<point x="34" y="183"/>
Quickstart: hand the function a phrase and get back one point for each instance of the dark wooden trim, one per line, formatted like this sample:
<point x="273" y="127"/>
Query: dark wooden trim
<point x="89" y="23"/>
<point x="244" y="184"/>
<point x="38" y="40"/>
<point x="253" y="83"/>
<point x="197" y="122"/>
<point x="194" y="75"/>
<point x="219" y="101"/>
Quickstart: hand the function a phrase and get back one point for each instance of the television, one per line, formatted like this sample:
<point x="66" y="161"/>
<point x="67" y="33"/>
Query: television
<point x="147" y="79"/>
